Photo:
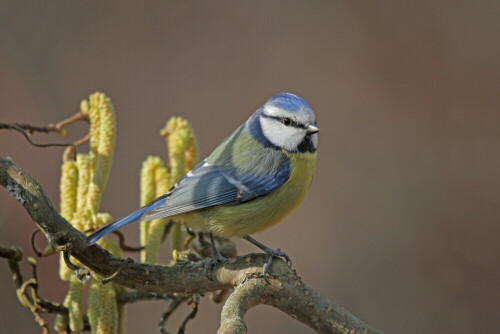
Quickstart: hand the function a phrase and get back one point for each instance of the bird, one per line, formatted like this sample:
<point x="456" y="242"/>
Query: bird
<point x="253" y="179"/>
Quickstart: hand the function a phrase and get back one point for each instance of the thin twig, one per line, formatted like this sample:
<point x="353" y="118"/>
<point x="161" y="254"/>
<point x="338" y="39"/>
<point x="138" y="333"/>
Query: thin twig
<point x="41" y="321"/>
<point x="172" y="305"/>
<point x="125" y="247"/>
<point x="27" y="129"/>
<point x="53" y="128"/>
<point x="166" y="231"/>
<point x="80" y="272"/>
<point x="11" y="253"/>
<point x="194" y="304"/>
<point x="66" y="255"/>
<point x="34" y="128"/>
<point x="108" y="279"/>
<point x="78" y="116"/>
<point x="71" y="150"/>
<point x="191" y="235"/>
<point x="26" y="135"/>
<point x="35" y="249"/>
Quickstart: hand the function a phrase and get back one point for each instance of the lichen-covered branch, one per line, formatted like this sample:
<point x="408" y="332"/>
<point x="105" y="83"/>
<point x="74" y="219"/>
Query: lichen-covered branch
<point x="292" y="296"/>
<point x="137" y="296"/>
<point x="287" y="292"/>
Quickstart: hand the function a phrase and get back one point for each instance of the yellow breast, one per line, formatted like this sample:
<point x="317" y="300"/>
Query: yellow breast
<point x="263" y="212"/>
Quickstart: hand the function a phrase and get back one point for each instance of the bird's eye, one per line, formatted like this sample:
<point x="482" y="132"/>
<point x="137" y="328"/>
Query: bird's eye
<point x="287" y="121"/>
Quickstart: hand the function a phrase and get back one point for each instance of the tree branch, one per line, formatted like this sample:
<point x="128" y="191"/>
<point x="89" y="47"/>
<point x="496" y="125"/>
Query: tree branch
<point x="137" y="296"/>
<point x="287" y="292"/>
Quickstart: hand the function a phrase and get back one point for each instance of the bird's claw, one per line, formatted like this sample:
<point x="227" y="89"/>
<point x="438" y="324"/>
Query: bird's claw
<point x="210" y="264"/>
<point x="270" y="253"/>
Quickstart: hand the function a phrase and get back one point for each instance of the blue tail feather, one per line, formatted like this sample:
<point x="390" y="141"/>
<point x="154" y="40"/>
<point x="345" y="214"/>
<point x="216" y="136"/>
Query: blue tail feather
<point x="125" y="220"/>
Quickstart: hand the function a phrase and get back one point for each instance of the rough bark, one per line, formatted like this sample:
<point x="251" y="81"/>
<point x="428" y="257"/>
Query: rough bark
<point x="287" y="291"/>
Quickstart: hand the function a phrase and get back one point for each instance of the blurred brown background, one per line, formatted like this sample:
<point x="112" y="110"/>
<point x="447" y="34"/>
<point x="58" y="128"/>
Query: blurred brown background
<point x="401" y="223"/>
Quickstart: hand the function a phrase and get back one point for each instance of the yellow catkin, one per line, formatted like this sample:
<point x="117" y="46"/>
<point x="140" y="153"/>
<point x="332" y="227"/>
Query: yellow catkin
<point x="162" y="180"/>
<point x="67" y="188"/>
<point x="157" y="226"/>
<point x="73" y="301"/>
<point x="64" y="272"/>
<point x="93" y="172"/>
<point x="182" y="154"/>
<point x="94" y="132"/>
<point x="82" y="220"/>
<point x="94" y="304"/>
<point x="97" y="221"/>
<point x="191" y="154"/>
<point x="113" y="308"/>
<point x="61" y="322"/>
<point x="104" y="318"/>
<point x="122" y="310"/>
<point x="102" y="306"/>
<point x="78" y="216"/>
<point x="176" y="133"/>
<point x="154" y="241"/>
<point x="83" y="164"/>
<point x="102" y="142"/>
<point x="147" y="181"/>
<point x="74" y="304"/>
<point x="155" y="181"/>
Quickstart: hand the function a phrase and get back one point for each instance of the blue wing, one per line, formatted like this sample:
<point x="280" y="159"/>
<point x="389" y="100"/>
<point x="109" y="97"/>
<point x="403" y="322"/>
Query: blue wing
<point x="208" y="185"/>
<point x="205" y="186"/>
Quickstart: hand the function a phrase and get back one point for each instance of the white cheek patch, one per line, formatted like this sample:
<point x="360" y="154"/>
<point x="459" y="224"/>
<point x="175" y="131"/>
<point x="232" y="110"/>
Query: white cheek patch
<point x="287" y="137"/>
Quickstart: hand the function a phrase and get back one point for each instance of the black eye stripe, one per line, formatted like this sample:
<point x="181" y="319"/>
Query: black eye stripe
<point x="280" y="119"/>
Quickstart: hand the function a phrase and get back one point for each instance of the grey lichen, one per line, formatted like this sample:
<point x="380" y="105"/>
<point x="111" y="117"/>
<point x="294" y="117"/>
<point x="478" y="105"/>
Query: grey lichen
<point x="15" y="191"/>
<point x="82" y="274"/>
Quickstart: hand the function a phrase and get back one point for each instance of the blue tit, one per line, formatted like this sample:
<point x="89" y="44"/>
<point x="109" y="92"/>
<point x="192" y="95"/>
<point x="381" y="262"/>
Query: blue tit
<point x="251" y="181"/>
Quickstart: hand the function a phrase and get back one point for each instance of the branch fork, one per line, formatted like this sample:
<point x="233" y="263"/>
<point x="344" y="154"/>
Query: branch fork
<point x="286" y="292"/>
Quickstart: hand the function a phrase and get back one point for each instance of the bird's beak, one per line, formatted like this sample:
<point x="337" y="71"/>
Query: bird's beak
<point x="312" y="129"/>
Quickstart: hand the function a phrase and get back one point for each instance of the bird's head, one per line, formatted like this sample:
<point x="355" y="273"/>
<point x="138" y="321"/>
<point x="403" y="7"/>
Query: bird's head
<point x="285" y="121"/>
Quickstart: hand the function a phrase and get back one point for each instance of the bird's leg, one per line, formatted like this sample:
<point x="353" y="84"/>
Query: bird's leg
<point x="270" y="253"/>
<point x="216" y="258"/>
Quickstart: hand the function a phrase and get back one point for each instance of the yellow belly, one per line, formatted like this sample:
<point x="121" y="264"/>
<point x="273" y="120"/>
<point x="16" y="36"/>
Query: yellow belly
<point x="262" y="212"/>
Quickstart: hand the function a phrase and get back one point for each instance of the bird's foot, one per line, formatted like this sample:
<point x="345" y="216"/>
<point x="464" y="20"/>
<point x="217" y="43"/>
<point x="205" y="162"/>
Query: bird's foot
<point x="210" y="264"/>
<point x="270" y="254"/>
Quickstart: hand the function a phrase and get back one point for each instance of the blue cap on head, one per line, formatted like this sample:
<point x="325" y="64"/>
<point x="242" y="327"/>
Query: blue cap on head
<point x="288" y="101"/>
